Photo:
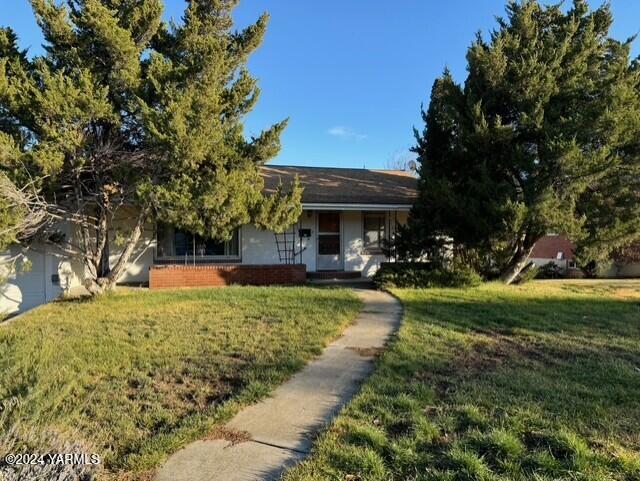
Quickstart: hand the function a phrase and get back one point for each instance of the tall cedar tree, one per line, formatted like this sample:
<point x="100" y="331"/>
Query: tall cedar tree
<point x="543" y="137"/>
<point x="124" y="109"/>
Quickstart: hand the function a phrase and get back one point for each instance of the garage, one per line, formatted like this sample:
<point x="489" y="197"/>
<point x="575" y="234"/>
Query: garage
<point x="29" y="287"/>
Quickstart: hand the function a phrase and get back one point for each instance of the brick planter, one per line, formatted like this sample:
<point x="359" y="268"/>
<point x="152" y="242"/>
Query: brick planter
<point x="167" y="276"/>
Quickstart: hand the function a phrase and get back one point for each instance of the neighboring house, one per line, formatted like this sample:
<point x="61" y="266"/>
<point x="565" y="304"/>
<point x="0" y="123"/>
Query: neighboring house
<point x="560" y="251"/>
<point x="626" y="262"/>
<point x="347" y="215"/>
<point x="557" y="250"/>
<point x="623" y="270"/>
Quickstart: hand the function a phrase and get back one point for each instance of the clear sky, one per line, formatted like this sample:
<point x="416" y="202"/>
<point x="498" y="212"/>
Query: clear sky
<point x="350" y="74"/>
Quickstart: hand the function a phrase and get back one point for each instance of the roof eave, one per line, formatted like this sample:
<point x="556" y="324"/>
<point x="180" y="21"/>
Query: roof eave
<point x="356" y="206"/>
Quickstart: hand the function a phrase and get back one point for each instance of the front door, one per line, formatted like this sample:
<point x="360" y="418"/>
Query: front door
<point x="329" y="241"/>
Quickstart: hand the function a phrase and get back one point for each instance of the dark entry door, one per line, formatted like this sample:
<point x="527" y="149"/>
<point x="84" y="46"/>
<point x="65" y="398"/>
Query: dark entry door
<point x="329" y="256"/>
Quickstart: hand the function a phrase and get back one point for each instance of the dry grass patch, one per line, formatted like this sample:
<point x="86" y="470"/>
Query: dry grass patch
<point x="137" y="374"/>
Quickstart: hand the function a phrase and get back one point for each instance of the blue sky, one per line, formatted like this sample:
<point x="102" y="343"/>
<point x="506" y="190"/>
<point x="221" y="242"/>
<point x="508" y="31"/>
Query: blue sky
<point x="351" y="74"/>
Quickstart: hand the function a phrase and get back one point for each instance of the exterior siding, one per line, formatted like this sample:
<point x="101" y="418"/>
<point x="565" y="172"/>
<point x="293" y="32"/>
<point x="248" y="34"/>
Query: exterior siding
<point x="143" y="255"/>
<point x="259" y="247"/>
<point x="35" y="286"/>
<point x="563" y="264"/>
<point x="356" y="257"/>
<point x="631" y="270"/>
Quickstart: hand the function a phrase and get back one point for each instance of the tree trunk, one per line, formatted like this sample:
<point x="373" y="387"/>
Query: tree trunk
<point x="105" y="283"/>
<point x="517" y="264"/>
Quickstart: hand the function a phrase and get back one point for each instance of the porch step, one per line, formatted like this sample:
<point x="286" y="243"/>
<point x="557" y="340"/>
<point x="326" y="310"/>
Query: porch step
<point x="333" y="275"/>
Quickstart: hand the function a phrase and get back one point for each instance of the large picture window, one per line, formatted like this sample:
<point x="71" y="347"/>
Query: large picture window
<point x="374" y="231"/>
<point x="176" y="244"/>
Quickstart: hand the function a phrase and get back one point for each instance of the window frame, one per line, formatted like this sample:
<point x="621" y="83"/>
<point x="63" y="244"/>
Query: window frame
<point x="374" y="249"/>
<point x="190" y="258"/>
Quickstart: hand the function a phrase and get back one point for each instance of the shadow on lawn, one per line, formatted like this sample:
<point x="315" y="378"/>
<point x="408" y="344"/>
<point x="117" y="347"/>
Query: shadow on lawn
<point x="481" y="387"/>
<point x="575" y="360"/>
<point x="570" y="315"/>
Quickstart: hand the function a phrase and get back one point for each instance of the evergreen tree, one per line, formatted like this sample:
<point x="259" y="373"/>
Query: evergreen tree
<point x="125" y="109"/>
<point x="542" y="137"/>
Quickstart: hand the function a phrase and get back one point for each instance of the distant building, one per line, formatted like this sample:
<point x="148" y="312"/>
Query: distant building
<point x="557" y="250"/>
<point x="626" y="262"/>
<point x="561" y="251"/>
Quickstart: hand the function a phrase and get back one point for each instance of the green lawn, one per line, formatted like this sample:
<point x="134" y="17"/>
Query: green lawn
<point x="135" y="375"/>
<point x="538" y="382"/>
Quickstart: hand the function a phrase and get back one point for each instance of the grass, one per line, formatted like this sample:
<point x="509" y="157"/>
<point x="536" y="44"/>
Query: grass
<point x="534" y="382"/>
<point x="135" y="375"/>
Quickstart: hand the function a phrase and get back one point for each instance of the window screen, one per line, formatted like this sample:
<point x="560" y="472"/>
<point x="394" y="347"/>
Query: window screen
<point x="374" y="230"/>
<point x="174" y="242"/>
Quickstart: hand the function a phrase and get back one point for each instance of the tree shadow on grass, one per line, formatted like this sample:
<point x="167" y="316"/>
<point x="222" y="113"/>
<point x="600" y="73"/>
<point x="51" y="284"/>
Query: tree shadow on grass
<point x="510" y="387"/>
<point x="576" y="360"/>
<point x="568" y="315"/>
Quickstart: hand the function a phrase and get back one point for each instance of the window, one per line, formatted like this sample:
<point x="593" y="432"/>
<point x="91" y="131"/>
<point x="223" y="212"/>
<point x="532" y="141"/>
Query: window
<point x="374" y="231"/>
<point x="177" y="244"/>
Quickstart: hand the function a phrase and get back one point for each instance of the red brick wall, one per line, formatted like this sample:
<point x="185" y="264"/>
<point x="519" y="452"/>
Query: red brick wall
<point x="225" y="274"/>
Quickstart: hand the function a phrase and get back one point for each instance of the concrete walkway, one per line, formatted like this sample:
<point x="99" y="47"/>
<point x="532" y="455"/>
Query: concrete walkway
<point x="278" y="432"/>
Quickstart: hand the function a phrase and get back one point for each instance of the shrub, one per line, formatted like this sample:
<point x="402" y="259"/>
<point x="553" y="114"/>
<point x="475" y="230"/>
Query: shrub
<point x="424" y="275"/>
<point x="549" y="271"/>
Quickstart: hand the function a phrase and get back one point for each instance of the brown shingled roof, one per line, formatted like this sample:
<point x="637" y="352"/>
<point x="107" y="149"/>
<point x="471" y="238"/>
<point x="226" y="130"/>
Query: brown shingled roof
<point x="323" y="185"/>
<point x="549" y="246"/>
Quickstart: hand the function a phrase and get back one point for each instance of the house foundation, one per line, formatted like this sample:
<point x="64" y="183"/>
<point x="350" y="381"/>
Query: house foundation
<point x="172" y="276"/>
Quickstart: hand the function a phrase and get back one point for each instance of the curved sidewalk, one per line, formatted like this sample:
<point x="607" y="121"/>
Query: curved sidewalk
<point x="279" y="431"/>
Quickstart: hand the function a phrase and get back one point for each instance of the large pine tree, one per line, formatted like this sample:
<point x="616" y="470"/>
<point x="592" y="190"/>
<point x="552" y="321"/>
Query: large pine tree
<point x="125" y="109"/>
<point x="544" y="136"/>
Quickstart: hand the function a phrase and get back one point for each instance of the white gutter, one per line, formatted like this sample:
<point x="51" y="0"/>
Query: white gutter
<point x="369" y="207"/>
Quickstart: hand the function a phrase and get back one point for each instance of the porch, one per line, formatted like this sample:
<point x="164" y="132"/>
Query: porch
<point x="347" y="216"/>
<point x="335" y="242"/>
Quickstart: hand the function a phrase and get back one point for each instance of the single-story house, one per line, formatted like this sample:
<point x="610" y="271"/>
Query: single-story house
<point x="623" y="270"/>
<point x="557" y="250"/>
<point x="626" y="263"/>
<point x="347" y="215"/>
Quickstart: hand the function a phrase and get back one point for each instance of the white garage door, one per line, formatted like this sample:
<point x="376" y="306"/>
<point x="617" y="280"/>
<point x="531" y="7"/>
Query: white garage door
<point x="27" y="289"/>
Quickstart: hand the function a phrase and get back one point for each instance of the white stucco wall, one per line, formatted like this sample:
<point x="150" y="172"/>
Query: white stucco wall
<point x="356" y="257"/>
<point x="29" y="288"/>
<point x="562" y="264"/>
<point x="259" y="247"/>
<point x="631" y="270"/>
<point x="143" y="255"/>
